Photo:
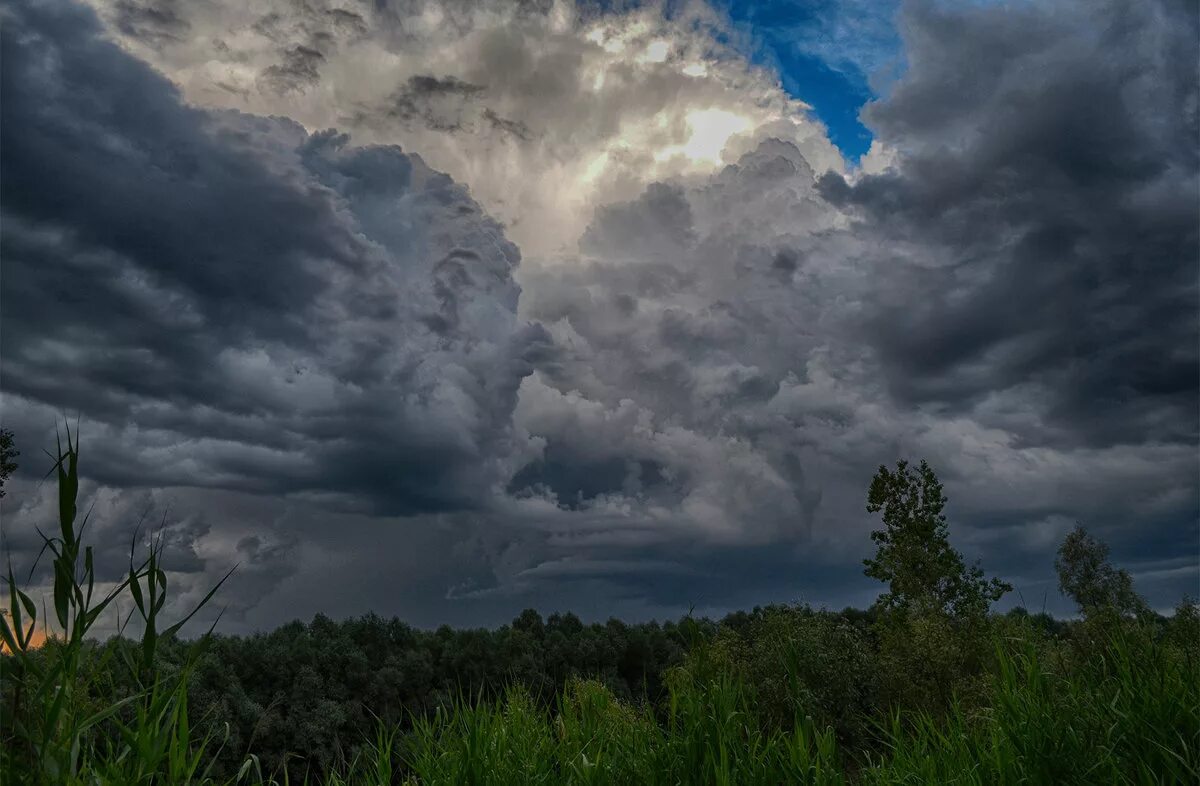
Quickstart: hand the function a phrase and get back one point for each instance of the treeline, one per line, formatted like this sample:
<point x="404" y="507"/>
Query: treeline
<point x="307" y="695"/>
<point x="311" y="694"/>
<point x="927" y="686"/>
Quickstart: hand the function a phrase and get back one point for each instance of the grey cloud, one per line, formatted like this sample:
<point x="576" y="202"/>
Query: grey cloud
<point x="654" y="228"/>
<point x="425" y="85"/>
<point x="669" y="350"/>
<point x="1049" y="178"/>
<point x="231" y="302"/>
<point x="152" y="21"/>
<point x="438" y="103"/>
<point x="304" y="24"/>
<point x="721" y="324"/>
<point x="716" y="367"/>
<point x="514" y="127"/>
<point x="298" y="69"/>
<point x="121" y="525"/>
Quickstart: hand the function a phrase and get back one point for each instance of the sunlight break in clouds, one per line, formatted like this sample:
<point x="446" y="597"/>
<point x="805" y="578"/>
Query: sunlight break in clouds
<point x="709" y="130"/>
<point x="543" y="114"/>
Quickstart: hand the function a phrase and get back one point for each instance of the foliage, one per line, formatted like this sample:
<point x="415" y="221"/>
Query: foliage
<point x="805" y="663"/>
<point x="925" y="688"/>
<point x="53" y="731"/>
<point x="8" y="452"/>
<point x="923" y="572"/>
<point x="307" y="695"/>
<point x="1086" y="576"/>
<point x="933" y="629"/>
<point x="711" y="735"/>
<point x="1126" y="713"/>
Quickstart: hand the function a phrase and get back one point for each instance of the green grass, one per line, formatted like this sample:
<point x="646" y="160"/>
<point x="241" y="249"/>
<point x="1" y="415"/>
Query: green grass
<point x="710" y="735"/>
<point x="1117" y="702"/>
<point x="1127" y="713"/>
<point x="56" y="729"/>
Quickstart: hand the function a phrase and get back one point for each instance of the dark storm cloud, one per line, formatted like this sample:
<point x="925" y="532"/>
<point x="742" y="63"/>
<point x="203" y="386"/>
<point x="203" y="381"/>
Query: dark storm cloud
<point x="151" y="21"/>
<point x="439" y="103"/>
<point x="307" y="340"/>
<point x="514" y="127"/>
<point x="1048" y="183"/>
<point x="670" y="349"/>
<point x="229" y="301"/>
<point x="304" y="24"/>
<point x="298" y="69"/>
<point x="1025" y="279"/>
<point x="426" y="85"/>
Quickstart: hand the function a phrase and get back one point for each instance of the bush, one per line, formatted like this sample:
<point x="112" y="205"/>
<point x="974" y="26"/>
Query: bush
<point x="1129" y="713"/>
<point x="802" y="663"/>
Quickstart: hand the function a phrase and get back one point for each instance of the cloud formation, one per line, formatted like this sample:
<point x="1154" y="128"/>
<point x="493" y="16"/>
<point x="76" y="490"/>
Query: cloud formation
<point x="674" y="393"/>
<point x="543" y="108"/>
<point x="1049" y="184"/>
<point x="1011" y="292"/>
<point x="233" y="302"/>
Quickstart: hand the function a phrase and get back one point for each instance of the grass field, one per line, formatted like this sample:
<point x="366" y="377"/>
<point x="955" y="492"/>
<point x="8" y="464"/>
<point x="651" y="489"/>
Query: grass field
<point x="1115" y="700"/>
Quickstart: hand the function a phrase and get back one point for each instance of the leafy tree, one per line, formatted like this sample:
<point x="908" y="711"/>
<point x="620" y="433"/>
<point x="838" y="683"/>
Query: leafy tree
<point x="1184" y="628"/>
<point x="1086" y="576"/>
<point x="8" y="452"/>
<point x="932" y="624"/>
<point x="804" y="663"/>
<point x="915" y="559"/>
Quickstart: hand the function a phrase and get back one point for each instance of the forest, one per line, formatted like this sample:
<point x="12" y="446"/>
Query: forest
<point x="929" y="685"/>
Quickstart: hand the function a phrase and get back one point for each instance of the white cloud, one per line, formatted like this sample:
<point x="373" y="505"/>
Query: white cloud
<point x="555" y="112"/>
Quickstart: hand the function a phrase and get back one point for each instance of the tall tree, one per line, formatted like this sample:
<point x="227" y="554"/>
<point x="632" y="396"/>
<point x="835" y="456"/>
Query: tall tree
<point x="1086" y="577"/>
<point x="915" y="558"/>
<point x="8" y="452"/>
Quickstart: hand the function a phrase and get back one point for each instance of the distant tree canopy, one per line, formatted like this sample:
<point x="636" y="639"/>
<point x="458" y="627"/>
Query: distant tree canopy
<point x="306" y="697"/>
<point x="1086" y="577"/>
<point x="8" y="452"/>
<point x="923" y="572"/>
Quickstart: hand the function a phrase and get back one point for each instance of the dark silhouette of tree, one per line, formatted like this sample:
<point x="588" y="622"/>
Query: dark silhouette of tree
<point x="932" y="622"/>
<point x="8" y="452"/>
<point x="1086" y="577"/>
<point x="922" y="571"/>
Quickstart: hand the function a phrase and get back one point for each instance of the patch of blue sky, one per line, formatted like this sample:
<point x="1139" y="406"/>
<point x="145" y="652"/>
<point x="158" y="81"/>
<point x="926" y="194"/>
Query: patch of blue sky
<point x="834" y="55"/>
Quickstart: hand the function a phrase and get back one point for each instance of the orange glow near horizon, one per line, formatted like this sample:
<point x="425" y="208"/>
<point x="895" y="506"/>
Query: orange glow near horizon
<point x="36" y="640"/>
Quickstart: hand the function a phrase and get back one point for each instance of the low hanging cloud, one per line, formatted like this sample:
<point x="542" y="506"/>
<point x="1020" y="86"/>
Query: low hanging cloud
<point x="670" y="338"/>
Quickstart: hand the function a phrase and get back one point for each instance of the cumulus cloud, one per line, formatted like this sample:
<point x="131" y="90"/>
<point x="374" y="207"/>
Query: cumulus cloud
<point x="1048" y="180"/>
<point x="545" y="109"/>
<point x="998" y="293"/>
<point x="231" y="301"/>
<point x="715" y="333"/>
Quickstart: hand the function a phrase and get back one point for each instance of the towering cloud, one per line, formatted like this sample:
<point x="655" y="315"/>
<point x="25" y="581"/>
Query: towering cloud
<point x="715" y="333"/>
<point x="543" y="108"/>
<point x="1008" y="288"/>
<point x="233" y="302"/>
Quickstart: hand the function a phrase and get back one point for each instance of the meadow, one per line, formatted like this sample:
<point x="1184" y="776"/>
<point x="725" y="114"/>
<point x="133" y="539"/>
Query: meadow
<point x="928" y="686"/>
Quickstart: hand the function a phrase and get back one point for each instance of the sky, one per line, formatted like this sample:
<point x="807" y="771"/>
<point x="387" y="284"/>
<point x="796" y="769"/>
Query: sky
<point x="444" y="309"/>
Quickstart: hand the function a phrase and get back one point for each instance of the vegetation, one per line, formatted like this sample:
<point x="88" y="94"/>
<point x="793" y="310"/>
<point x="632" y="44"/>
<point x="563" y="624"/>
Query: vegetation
<point x="928" y="686"/>
<point x="1085" y="576"/>
<point x="8" y="454"/>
